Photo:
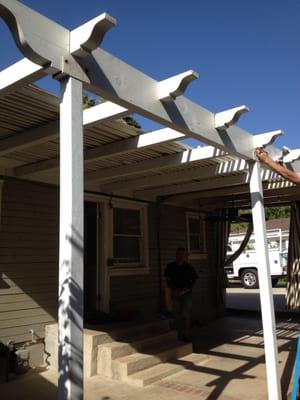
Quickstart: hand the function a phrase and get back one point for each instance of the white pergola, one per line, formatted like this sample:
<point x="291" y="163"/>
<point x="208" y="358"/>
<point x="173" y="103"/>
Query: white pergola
<point x="76" y="60"/>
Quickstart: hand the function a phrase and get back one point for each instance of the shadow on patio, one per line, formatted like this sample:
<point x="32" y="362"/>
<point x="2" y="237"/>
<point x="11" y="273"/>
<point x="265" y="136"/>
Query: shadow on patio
<point x="230" y="367"/>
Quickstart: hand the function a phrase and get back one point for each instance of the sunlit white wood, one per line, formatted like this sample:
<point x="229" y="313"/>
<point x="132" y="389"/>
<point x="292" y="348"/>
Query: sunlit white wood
<point x="103" y="112"/>
<point x="266" y="139"/>
<point x="41" y="40"/>
<point x="20" y="74"/>
<point x="265" y="284"/>
<point x="184" y="176"/>
<point x="32" y="137"/>
<point x="116" y="81"/>
<point x="88" y="36"/>
<point x="230" y="117"/>
<point x="175" y="86"/>
<point x="48" y="44"/>
<point x="225" y="169"/>
<point x="292" y="156"/>
<point x="71" y="244"/>
<point x="186" y="156"/>
<point x="122" y="146"/>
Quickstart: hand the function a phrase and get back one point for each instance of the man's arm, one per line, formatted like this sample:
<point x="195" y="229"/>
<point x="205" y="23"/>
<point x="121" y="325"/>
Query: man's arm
<point x="263" y="156"/>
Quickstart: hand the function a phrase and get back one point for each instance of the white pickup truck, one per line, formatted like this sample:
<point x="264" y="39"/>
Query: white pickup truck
<point x="245" y="267"/>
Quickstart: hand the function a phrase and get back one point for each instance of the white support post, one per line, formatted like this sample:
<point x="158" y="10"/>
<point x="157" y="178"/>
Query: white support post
<point x="71" y="247"/>
<point x="265" y="285"/>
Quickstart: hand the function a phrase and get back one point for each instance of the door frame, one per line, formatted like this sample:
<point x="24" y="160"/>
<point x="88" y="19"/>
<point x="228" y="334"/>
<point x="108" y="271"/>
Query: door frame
<point x="102" y="275"/>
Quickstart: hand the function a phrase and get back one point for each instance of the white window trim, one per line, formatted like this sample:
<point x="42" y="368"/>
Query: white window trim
<point x="196" y="255"/>
<point x="130" y="268"/>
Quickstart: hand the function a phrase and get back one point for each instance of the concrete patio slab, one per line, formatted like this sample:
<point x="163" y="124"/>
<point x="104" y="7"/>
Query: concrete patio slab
<point x="233" y="368"/>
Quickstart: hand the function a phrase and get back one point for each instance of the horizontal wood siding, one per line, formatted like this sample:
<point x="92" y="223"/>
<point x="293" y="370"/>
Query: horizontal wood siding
<point x="29" y="263"/>
<point x="28" y="259"/>
<point x="173" y="235"/>
<point x="142" y="293"/>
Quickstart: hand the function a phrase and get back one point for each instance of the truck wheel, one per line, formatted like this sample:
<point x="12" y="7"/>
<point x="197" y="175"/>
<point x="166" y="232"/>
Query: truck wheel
<point x="274" y="281"/>
<point x="249" y="279"/>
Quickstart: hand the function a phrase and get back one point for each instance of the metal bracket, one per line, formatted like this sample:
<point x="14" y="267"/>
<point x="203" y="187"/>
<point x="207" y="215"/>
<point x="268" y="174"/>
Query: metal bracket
<point x="229" y="117"/>
<point x="175" y="86"/>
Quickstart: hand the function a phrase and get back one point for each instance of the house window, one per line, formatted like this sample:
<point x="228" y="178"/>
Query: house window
<point x="127" y="236"/>
<point x="129" y="239"/>
<point x="196" y="243"/>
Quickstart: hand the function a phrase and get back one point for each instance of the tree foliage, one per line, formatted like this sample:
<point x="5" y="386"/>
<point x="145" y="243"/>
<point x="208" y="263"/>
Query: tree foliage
<point x="89" y="101"/>
<point x="270" y="212"/>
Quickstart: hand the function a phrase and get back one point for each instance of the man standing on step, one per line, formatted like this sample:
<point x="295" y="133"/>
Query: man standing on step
<point x="180" y="278"/>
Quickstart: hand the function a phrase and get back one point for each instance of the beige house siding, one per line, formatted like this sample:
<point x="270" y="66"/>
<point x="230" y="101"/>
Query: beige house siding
<point x="28" y="259"/>
<point x="141" y="292"/>
<point x="29" y="263"/>
<point x="173" y="235"/>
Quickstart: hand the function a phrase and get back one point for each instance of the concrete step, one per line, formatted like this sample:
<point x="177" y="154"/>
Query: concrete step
<point x="111" y="351"/>
<point x="95" y="338"/>
<point x="133" y="332"/>
<point x="125" y="366"/>
<point x="164" y="370"/>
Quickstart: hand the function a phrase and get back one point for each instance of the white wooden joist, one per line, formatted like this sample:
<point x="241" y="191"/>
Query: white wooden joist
<point x="32" y="137"/>
<point x="145" y="140"/>
<point x="210" y="183"/>
<point x="20" y="74"/>
<point x="187" y="156"/>
<point x="29" y="138"/>
<point x="199" y="172"/>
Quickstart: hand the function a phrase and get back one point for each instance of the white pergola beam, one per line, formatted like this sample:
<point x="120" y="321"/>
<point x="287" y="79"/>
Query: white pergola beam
<point x="29" y="138"/>
<point x="291" y="156"/>
<point x="32" y="137"/>
<point x="184" y="157"/>
<point x="20" y="74"/>
<point x="175" y="86"/>
<point x="209" y="183"/>
<point x="103" y="112"/>
<point x="122" y="146"/>
<point x="145" y="140"/>
<point x="116" y="81"/>
<point x="180" y="176"/>
<point x="48" y="44"/>
<point x="201" y="185"/>
<point x="267" y="139"/>
<point x="88" y="36"/>
<point x="265" y="284"/>
<point x="227" y="118"/>
<point x="71" y="244"/>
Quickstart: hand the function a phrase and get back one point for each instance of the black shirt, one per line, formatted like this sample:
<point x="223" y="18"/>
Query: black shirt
<point x="180" y="276"/>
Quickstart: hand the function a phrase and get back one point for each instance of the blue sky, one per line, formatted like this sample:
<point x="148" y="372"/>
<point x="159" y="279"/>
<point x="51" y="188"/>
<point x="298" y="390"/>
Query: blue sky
<point x="245" y="52"/>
